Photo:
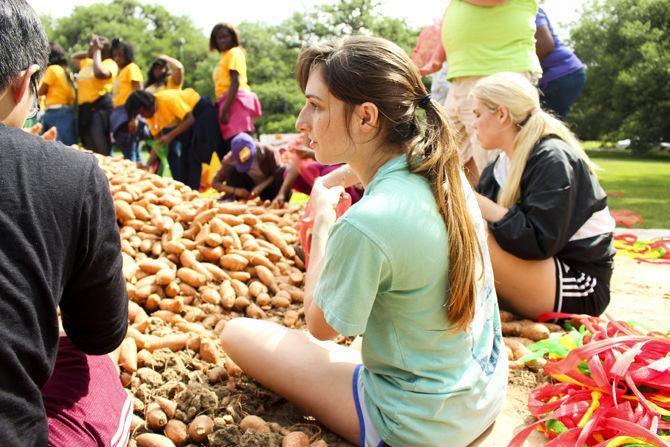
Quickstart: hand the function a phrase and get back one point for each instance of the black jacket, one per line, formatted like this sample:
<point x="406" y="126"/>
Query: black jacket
<point x="558" y="196"/>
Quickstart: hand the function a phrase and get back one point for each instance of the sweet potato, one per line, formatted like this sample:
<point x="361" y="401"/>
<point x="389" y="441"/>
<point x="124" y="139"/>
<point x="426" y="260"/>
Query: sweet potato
<point x="241" y="289"/>
<point x="177" y="431"/>
<point x="291" y="318"/>
<point x="175" y="247"/>
<point x="277" y="240"/>
<point x="151" y="266"/>
<point x="124" y="212"/>
<point x="295" y="439"/>
<point x="191" y="277"/>
<point x="263" y="299"/>
<point x="171" y="304"/>
<point x="169" y="407"/>
<point x="280" y="301"/>
<point x="267" y="278"/>
<point x="233" y="262"/>
<point x="208" y="351"/>
<point x="210" y="295"/>
<point x="525" y="328"/>
<point x="165" y="276"/>
<point x="254" y="423"/>
<point x="200" y="428"/>
<point x="128" y="355"/>
<point x="239" y="276"/>
<point x="256" y="288"/>
<point x="211" y="254"/>
<point x="253" y="311"/>
<point x="241" y="303"/>
<point x="231" y="208"/>
<point x="153" y="440"/>
<point x="174" y="342"/>
<point x="130" y="267"/>
<point x="155" y="417"/>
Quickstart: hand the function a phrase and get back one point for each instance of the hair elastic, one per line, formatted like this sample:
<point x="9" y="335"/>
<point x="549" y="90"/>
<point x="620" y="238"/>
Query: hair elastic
<point x="423" y="102"/>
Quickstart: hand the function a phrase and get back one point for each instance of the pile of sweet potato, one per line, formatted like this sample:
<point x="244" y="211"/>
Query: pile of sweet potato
<point x="191" y="264"/>
<point x="520" y="333"/>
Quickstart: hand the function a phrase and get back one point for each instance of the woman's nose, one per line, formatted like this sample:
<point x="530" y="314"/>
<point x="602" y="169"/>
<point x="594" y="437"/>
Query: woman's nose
<point x="301" y="122"/>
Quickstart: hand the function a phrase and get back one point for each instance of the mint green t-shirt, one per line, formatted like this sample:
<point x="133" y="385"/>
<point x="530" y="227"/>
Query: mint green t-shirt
<point x="482" y="40"/>
<point x="385" y="276"/>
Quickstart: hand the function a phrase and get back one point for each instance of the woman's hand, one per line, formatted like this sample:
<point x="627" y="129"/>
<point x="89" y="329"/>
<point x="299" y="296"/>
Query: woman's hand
<point x="324" y="199"/>
<point x="491" y="211"/>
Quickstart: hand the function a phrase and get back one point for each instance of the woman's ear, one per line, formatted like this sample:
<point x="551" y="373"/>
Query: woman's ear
<point x="22" y="84"/>
<point x="503" y="115"/>
<point x="366" y="117"/>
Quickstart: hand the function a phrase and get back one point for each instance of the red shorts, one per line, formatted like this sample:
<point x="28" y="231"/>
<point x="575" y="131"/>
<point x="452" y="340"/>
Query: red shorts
<point x="85" y="402"/>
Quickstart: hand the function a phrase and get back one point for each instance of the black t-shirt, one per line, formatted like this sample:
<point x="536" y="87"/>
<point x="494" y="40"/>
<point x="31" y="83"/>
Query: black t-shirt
<point x="59" y="245"/>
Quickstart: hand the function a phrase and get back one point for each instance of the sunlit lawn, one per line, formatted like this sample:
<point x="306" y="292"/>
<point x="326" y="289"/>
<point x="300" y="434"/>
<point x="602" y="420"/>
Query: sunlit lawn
<point x="643" y="181"/>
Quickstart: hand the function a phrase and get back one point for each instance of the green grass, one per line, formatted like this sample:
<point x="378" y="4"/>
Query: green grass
<point x="643" y="180"/>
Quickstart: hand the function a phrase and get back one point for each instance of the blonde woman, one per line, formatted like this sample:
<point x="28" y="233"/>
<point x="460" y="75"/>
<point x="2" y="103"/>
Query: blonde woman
<point x="406" y="266"/>
<point x="550" y="231"/>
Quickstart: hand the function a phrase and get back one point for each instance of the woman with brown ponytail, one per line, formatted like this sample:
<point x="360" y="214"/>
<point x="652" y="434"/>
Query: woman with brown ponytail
<point x="550" y="231"/>
<point x="407" y="267"/>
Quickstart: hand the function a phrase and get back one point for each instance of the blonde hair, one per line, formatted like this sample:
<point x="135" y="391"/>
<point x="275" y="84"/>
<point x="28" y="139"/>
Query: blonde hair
<point x="366" y="69"/>
<point x="514" y="92"/>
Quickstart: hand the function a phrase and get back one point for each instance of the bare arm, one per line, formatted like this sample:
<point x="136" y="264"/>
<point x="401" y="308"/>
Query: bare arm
<point x="544" y="42"/>
<point x="99" y="70"/>
<point x="180" y="129"/>
<point x="78" y="57"/>
<point x="491" y="211"/>
<point x="436" y="61"/>
<point x="323" y="221"/>
<point x="176" y="68"/>
<point x="343" y="176"/>
<point x="44" y="88"/>
<point x="232" y="94"/>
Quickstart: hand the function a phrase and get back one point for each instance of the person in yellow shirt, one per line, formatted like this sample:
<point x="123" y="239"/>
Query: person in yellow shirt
<point x="237" y="105"/>
<point x="57" y="88"/>
<point x="129" y="79"/>
<point x="97" y="71"/>
<point x="182" y="120"/>
<point x="165" y="72"/>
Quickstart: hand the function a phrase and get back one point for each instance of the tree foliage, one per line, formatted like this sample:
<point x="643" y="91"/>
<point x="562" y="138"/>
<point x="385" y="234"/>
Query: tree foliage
<point x="624" y="44"/>
<point x="271" y="50"/>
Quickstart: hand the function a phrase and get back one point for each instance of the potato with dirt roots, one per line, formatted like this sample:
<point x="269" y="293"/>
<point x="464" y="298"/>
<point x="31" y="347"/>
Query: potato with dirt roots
<point x="200" y="428"/>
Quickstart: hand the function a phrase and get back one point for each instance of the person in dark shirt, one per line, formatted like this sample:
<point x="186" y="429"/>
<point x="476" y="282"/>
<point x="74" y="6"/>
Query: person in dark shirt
<point x="60" y="247"/>
<point x="550" y="231"/>
<point x="250" y="170"/>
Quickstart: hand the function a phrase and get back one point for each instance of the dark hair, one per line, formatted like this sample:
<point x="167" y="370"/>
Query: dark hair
<point x="367" y="69"/>
<point x="138" y="99"/>
<point x="23" y="41"/>
<point x="151" y="79"/>
<point x="125" y="47"/>
<point x="57" y="55"/>
<point x="223" y="26"/>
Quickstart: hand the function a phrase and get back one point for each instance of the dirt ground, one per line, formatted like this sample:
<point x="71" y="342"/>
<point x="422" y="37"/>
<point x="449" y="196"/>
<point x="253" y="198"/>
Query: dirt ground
<point x="640" y="292"/>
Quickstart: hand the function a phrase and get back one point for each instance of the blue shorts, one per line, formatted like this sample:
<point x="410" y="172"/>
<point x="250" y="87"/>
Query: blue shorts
<point x="369" y="436"/>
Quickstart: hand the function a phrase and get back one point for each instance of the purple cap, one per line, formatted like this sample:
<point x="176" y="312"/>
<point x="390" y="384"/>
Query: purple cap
<point x="243" y="148"/>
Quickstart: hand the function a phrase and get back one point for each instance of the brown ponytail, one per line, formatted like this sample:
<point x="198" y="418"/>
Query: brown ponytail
<point x="365" y="69"/>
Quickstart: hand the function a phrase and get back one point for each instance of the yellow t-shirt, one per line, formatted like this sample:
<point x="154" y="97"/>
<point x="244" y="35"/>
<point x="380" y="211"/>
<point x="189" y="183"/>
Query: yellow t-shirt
<point x="171" y="107"/>
<point x="232" y="59"/>
<point x="61" y="92"/>
<point x="90" y="87"/>
<point x="170" y="85"/>
<point x="123" y="85"/>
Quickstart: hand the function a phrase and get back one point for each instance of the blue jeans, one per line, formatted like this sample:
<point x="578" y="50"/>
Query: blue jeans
<point x="559" y="95"/>
<point x="127" y="143"/>
<point x="63" y="120"/>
